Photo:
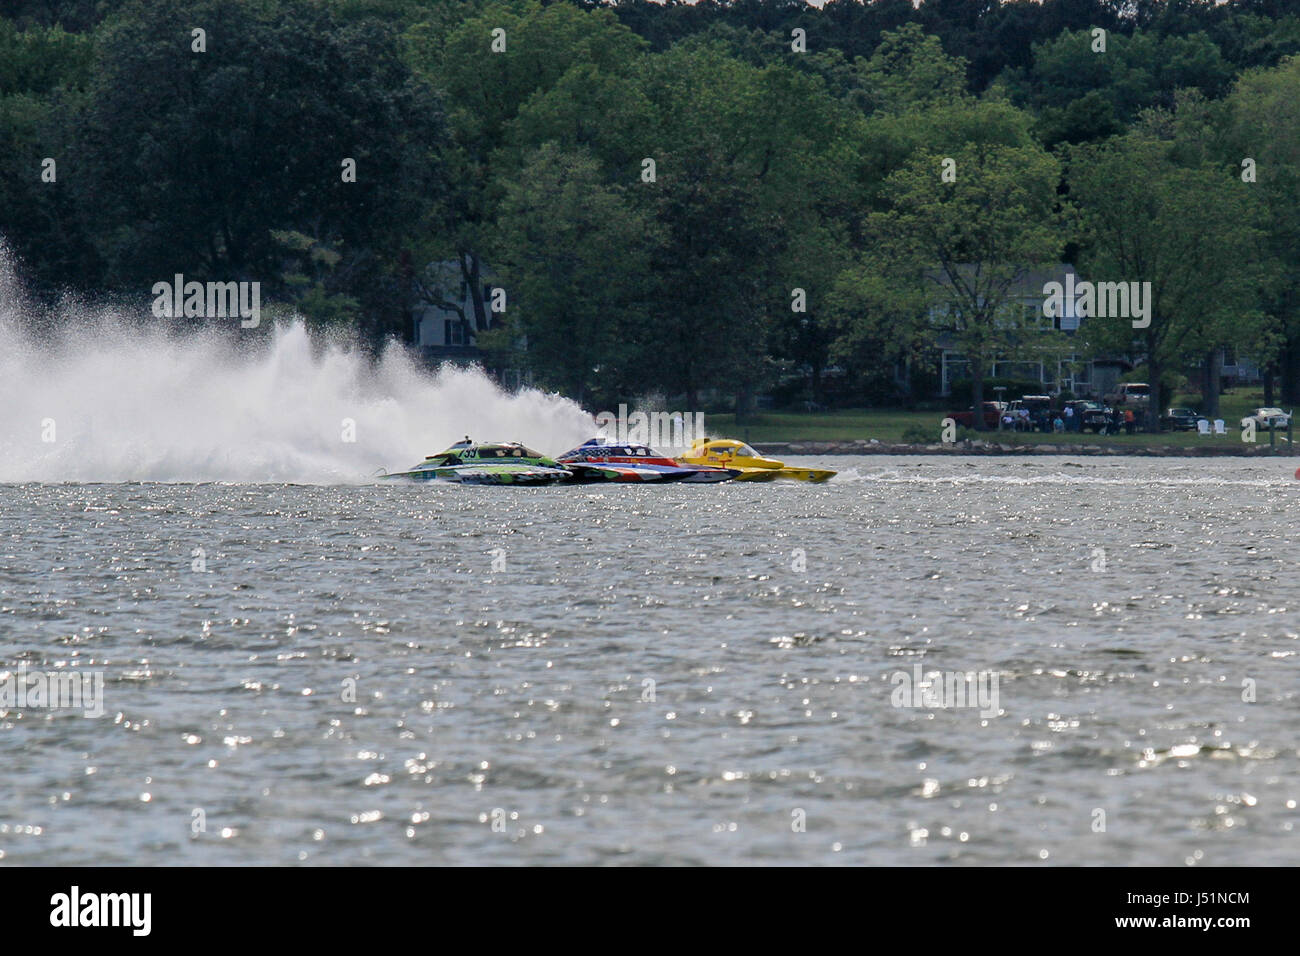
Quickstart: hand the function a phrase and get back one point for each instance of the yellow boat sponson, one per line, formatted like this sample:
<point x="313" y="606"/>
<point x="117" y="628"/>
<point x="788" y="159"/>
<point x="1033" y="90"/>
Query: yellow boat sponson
<point x="736" y="455"/>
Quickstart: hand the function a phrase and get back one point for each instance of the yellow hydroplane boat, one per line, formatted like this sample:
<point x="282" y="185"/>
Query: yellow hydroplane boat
<point x="736" y="455"/>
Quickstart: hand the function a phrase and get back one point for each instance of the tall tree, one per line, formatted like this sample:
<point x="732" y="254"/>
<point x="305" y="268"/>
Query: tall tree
<point x="1264" y="125"/>
<point x="709" y="318"/>
<point x="194" y="148"/>
<point x="1188" y="230"/>
<point x="757" y="181"/>
<point x="44" y="72"/>
<point x="573" y="251"/>
<point x="909" y="71"/>
<point x="962" y="232"/>
<point x="1101" y="80"/>
<point x="490" y="65"/>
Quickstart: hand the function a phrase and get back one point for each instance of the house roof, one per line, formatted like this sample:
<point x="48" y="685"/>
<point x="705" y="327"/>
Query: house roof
<point x="1027" y="283"/>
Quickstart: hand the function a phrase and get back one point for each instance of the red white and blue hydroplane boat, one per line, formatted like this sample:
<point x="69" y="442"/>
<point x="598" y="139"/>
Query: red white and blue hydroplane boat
<point x="632" y="462"/>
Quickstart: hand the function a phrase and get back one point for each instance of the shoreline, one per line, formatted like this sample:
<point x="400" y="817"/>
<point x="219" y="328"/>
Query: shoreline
<point x="862" y="446"/>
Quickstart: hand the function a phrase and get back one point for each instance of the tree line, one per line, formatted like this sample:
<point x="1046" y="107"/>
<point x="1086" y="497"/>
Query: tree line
<point x="686" y="199"/>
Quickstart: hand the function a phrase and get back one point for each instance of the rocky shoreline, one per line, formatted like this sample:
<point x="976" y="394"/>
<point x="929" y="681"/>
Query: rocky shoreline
<point x="862" y="446"/>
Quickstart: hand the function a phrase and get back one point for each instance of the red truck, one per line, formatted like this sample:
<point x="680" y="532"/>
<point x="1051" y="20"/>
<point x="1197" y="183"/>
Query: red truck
<point x="967" y="418"/>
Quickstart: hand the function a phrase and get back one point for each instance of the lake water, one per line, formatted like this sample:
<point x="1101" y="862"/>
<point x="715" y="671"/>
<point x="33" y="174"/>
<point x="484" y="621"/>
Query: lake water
<point x="350" y="674"/>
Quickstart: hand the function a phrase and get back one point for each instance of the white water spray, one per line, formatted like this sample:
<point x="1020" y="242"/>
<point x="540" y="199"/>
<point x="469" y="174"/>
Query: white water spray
<point x="105" y="401"/>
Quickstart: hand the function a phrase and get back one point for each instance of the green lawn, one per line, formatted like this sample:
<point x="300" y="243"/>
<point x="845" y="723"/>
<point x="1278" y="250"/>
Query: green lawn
<point x="889" y="425"/>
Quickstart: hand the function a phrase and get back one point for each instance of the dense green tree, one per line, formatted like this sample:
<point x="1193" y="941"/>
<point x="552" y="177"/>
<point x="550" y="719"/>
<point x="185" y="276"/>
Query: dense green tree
<point x="921" y="118"/>
<point x="708" y="321"/>
<point x="757" y="178"/>
<point x="42" y="60"/>
<point x="1264" y="133"/>
<point x="489" y="66"/>
<point x="311" y="274"/>
<point x="1188" y="230"/>
<point x="910" y="71"/>
<point x="574" y="253"/>
<point x="961" y="243"/>
<point x="190" y="159"/>
<point x="43" y="75"/>
<point x="880" y="301"/>
<point x="878" y="325"/>
<point x="588" y="108"/>
<point x="1077" y="74"/>
<point x="775" y="231"/>
<point x="1249" y="40"/>
<point x="76" y="15"/>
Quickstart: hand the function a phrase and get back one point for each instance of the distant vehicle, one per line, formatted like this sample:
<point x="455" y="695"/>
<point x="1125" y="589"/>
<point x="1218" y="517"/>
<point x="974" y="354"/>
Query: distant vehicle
<point x="1032" y="403"/>
<point x="1268" y="418"/>
<point x="1100" y="420"/>
<point x="1032" y="412"/>
<point x="967" y="418"/>
<point x="1181" y="420"/>
<point x="1079" y="406"/>
<point x="1093" y="416"/>
<point x="1130" y="393"/>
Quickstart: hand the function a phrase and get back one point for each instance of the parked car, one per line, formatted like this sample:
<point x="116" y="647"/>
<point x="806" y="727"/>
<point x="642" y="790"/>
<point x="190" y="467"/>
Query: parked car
<point x="1130" y="393"/>
<point x="1031" y="412"/>
<point x="967" y="418"/>
<point x="1268" y="418"/>
<point x="1181" y="420"/>
<point x="1092" y="416"/>
<point x="1096" y="418"/>
<point x="1034" y="403"/>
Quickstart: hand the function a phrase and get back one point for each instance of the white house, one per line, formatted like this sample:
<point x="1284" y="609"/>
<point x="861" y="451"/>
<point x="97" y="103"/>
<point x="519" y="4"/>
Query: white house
<point x="1056" y="371"/>
<point x="1062" y="369"/>
<point x="443" y="315"/>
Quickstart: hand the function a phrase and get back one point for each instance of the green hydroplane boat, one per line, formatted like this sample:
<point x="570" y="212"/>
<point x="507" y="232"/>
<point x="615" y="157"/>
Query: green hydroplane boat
<point x="487" y="463"/>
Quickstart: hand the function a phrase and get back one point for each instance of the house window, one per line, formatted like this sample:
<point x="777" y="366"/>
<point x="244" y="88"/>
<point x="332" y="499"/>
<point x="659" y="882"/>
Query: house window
<point x="453" y="332"/>
<point x="1034" y="318"/>
<point x="954" y="368"/>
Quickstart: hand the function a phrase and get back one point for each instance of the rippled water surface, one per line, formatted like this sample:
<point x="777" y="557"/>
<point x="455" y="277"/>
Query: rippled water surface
<point x="703" y="674"/>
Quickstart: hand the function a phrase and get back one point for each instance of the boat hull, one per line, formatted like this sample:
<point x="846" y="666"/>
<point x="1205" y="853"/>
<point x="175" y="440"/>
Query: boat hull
<point x="586" y="473"/>
<point x="737" y="455"/>
<point x="812" y="475"/>
<point x="485" y="475"/>
<point x="599" y="460"/>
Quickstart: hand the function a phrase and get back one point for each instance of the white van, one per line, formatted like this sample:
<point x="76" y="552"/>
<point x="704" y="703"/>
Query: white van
<point x="1130" y="393"/>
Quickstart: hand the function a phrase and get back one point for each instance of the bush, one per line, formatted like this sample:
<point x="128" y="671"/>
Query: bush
<point x="916" y="435"/>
